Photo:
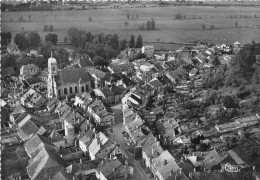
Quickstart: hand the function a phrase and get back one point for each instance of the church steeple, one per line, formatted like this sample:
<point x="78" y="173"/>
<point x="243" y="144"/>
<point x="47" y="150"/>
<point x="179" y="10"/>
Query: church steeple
<point x="52" y="72"/>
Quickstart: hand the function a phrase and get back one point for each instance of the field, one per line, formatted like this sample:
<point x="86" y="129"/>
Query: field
<point x="168" y="28"/>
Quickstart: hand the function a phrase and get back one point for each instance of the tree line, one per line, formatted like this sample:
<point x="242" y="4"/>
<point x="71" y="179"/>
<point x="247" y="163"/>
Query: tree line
<point x="5" y="38"/>
<point x="27" y="39"/>
<point x="103" y="46"/>
<point x="150" y="25"/>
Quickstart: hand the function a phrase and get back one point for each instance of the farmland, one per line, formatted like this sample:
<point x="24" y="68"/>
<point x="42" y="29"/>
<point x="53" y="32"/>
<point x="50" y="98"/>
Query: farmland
<point x="169" y="29"/>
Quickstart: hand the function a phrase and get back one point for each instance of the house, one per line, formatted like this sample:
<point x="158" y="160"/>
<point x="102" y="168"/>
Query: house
<point x="43" y="75"/>
<point x="85" y="168"/>
<point x="99" y="113"/>
<point x="82" y="61"/>
<point x="237" y="44"/>
<point x="57" y="140"/>
<point x="33" y="52"/>
<point x="148" y="50"/>
<point x="28" y="70"/>
<point x="119" y="92"/>
<point x="150" y="149"/>
<point x="70" y="120"/>
<point x="165" y="166"/>
<point x="34" y="82"/>
<point x="102" y="147"/>
<point x="20" y="109"/>
<point x="98" y="75"/>
<point x="45" y="165"/>
<point x="168" y="129"/>
<point x="109" y="95"/>
<point x="86" y="139"/>
<point x="115" y="69"/>
<point x="12" y="48"/>
<point x="36" y="143"/>
<point x="133" y="129"/>
<point x="28" y="125"/>
<point x="14" y="102"/>
<point x="110" y="169"/>
<point x="156" y="84"/>
<point x="62" y="174"/>
<point x="206" y="160"/>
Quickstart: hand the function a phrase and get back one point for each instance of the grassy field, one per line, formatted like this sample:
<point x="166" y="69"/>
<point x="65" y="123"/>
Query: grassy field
<point x="169" y="29"/>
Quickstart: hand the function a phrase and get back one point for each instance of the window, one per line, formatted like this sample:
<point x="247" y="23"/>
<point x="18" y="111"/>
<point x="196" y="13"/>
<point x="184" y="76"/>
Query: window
<point x="65" y="91"/>
<point x="59" y="92"/>
<point x="70" y="89"/>
<point x="76" y="89"/>
<point x="86" y="87"/>
<point x="82" y="88"/>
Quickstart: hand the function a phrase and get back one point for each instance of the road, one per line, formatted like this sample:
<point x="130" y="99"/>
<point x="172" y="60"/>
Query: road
<point x="117" y="136"/>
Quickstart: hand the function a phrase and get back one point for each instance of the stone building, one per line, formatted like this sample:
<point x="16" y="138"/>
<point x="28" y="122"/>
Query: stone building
<point x="67" y="82"/>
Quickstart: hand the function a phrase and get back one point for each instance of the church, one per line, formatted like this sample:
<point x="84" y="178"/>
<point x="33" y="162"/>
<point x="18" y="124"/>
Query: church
<point x="67" y="82"/>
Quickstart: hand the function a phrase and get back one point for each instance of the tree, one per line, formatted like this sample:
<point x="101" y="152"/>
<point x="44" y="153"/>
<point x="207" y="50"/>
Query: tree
<point x="216" y="61"/>
<point x="236" y="24"/>
<point x="148" y="25"/>
<point x="51" y="27"/>
<point x="20" y="19"/>
<point x="8" y="61"/>
<point x="132" y="42"/>
<point x="212" y="27"/>
<point x="126" y="24"/>
<point x="29" y="17"/>
<point x="90" y="19"/>
<point x="21" y="41"/>
<point x="100" y="61"/>
<point x="203" y="26"/>
<point x="228" y="102"/>
<point x="65" y="40"/>
<point x="152" y="24"/>
<point x="45" y="28"/>
<point x="122" y="45"/>
<point x="139" y="41"/>
<point x="6" y="37"/>
<point x="113" y="41"/>
<point x="51" y="38"/>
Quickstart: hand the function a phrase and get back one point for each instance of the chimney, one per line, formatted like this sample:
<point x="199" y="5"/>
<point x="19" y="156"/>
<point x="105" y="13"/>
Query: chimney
<point x="194" y="169"/>
<point x="180" y="170"/>
<point x="152" y="151"/>
<point x="80" y="160"/>
<point x="126" y="162"/>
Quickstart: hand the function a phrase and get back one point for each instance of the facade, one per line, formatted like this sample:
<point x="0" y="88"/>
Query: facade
<point x="28" y="70"/>
<point x="66" y="82"/>
<point x="148" y="50"/>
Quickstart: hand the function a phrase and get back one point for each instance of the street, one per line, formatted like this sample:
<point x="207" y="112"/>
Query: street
<point x="117" y="136"/>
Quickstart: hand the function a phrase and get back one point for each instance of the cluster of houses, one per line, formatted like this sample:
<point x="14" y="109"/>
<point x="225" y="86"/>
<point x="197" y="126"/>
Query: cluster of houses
<point x="55" y="117"/>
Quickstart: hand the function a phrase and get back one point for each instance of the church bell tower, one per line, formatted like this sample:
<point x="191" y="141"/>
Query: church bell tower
<point x="52" y="72"/>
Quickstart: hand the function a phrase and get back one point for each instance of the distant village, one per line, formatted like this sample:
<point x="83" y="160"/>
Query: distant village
<point x="123" y="121"/>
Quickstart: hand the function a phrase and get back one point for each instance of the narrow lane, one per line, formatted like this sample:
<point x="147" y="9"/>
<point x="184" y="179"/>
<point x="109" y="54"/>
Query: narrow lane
<point x="117" y="136"/>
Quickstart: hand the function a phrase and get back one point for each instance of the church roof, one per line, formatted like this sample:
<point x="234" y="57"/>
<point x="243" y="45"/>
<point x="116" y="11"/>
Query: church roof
<point x="68" y="76"/>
